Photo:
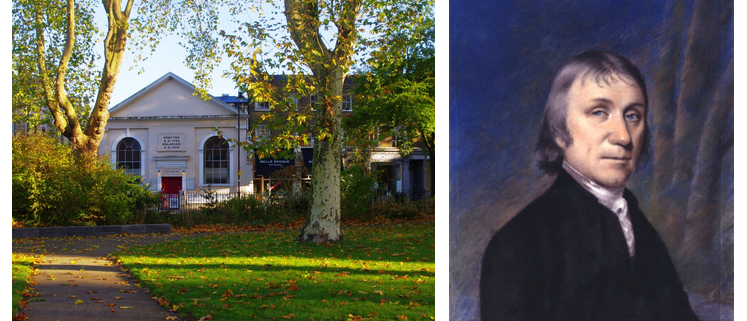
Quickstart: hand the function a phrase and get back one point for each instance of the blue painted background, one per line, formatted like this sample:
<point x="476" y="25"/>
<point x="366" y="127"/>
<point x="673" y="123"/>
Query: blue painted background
<point x="503" y="56"/>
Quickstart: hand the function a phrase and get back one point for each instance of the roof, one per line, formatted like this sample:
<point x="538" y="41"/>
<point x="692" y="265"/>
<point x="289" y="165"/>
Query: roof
<point x="232" y="99"/>
<point x="168" y="76"/>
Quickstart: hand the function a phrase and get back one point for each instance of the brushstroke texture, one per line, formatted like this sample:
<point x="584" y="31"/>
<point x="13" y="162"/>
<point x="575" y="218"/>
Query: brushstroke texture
<point x="503" y="55"/>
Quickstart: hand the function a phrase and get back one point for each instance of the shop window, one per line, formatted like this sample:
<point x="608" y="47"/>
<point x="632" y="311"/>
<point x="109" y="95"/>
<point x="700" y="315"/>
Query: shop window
<point x="216" y="161"/>
<point x="128" y="156"/>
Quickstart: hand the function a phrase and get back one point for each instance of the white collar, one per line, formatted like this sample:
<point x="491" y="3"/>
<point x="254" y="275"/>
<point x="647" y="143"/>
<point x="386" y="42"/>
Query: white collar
<point x="610" y="197"/>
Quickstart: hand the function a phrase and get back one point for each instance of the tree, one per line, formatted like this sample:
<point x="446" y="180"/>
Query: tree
<point x="396" y="90"/>
<point x="46" y="32"/>
<point x="55" y="62"/>
<point x="32" y="18"/>
<point x="314" y="47"/>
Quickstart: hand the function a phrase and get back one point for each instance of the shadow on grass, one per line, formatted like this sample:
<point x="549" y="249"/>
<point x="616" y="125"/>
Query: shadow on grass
<point x="374" y="273"/>
<point x="236" y="294"/>
<point x="379" y="244"/>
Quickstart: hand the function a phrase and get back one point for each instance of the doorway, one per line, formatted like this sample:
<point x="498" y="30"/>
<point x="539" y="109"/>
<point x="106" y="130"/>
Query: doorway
<point x="171" y="185"/>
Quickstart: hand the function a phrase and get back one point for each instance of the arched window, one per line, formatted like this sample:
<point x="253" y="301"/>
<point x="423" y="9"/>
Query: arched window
<point x="216" y="161"/>
<point x="128" y="156"/>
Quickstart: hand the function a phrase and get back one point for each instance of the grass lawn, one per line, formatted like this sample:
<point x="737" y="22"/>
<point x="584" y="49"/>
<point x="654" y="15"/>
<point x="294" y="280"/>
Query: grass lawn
<point x="22" y="271"/>
<point x="377" y="273"/>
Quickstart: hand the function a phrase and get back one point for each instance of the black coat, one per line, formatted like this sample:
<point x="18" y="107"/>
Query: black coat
<point x="564" y="257"/>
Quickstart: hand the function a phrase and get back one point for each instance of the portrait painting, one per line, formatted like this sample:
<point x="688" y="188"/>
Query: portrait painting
<point x="591" y="160"/>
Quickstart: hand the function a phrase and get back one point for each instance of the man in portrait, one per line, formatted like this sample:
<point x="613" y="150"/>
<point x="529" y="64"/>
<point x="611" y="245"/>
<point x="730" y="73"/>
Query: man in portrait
<point x="584" y="250"/>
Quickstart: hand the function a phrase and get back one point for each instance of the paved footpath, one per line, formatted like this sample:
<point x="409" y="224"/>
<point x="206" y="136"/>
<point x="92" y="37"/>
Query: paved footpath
<point x="75" y="269"/>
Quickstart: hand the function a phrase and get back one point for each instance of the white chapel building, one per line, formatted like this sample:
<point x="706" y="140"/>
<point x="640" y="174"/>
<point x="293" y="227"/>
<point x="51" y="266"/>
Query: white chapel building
<point x="170" y="138"/>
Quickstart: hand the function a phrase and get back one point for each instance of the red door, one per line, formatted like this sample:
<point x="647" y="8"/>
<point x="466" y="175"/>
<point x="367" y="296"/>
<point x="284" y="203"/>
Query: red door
<point x="171" y="185"/>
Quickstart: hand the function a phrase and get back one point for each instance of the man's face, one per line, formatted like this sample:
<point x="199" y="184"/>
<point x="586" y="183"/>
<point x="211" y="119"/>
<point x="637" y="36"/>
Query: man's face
<point x="606" y="123"/>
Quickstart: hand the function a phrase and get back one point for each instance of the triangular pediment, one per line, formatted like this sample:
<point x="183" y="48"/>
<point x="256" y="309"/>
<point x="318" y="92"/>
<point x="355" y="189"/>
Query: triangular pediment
<point x="169" y="96"/>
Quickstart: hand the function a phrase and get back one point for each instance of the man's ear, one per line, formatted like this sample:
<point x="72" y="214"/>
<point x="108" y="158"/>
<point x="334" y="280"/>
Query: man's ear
<point x="560" y="143"/>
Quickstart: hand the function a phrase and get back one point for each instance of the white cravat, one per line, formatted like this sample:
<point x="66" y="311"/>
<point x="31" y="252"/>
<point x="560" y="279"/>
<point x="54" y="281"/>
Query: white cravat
<point x="611" y="198"/>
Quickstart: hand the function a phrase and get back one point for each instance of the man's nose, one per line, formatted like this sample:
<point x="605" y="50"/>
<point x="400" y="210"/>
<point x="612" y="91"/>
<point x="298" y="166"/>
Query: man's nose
<point x="619" y="133"/>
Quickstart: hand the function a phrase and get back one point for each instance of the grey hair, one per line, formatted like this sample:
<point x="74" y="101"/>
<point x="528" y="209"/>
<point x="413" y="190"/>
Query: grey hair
<point x="599" y="66"/>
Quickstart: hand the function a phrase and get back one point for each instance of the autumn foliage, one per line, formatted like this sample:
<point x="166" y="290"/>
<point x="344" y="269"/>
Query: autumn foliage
<point x="54" y="185"/>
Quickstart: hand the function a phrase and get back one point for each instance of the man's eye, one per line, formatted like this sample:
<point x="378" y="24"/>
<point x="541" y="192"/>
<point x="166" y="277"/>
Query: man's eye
<point x="633" y="117"/>
<point x="597" y="113"/>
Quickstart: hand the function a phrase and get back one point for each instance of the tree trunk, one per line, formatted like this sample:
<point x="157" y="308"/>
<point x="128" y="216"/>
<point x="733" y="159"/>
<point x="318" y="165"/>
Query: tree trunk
<point x="329" y="68"/>
<point x="323" y="223"/>
<point x="429" y="142"/>
<point x="65" y="118"/>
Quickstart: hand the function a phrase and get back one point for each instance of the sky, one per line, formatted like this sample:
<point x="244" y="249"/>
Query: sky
<point x="168" y="57"/>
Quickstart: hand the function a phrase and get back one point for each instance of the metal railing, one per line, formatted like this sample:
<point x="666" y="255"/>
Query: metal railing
<point x="195" y="201"/>
<point x="192" y="201"/>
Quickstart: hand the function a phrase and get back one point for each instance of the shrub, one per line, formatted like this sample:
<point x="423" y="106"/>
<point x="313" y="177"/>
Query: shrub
<point x="284" y="206"/>
<point x="54" y="185"/>
<point x="356" y="190"/>
<point x="233" y="210"/>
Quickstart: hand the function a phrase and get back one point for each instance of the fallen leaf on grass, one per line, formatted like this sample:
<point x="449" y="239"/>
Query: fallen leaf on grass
<point x="79" y="301"/>
<point x="125" y="307"/>
<point x="171" y="318"/>
<point x="20" y="316"/>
